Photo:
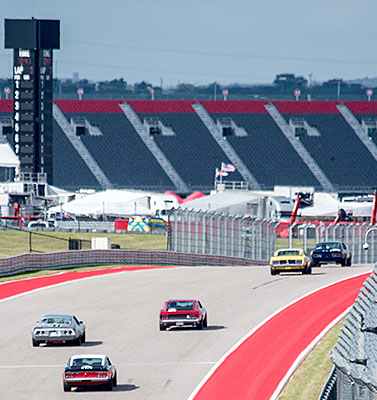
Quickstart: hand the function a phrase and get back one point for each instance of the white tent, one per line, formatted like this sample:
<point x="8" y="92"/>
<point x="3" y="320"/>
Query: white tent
<point x="7" y="158"/>
<point x="115" y="202"/>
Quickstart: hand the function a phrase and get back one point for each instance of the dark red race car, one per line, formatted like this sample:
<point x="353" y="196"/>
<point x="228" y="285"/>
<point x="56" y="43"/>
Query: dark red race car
<point x="89" y="370"/>
<point x="178" y="313"/>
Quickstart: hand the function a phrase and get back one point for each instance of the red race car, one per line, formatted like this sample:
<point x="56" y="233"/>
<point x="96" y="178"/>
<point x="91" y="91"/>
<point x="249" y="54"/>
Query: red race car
<point x="89" y="370"/>
<point x="178" y="313"/>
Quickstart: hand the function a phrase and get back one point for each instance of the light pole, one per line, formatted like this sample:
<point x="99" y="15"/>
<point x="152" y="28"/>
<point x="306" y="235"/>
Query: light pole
<point x="366" y="245"/>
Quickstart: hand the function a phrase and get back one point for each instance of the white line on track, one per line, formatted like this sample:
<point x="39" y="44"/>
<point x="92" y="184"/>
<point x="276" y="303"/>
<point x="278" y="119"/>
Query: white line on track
<point x="299" y="358"/>
<point x="123" y="365"/>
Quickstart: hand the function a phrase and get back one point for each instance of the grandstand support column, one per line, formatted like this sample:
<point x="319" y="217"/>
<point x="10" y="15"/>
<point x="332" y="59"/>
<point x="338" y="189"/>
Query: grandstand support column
<point x="356" y="126"/>
<point x="154" y="149"/>
<point x="300" y="148"/>
<point x="226" y="146"/>
<point x="80" y="148"/>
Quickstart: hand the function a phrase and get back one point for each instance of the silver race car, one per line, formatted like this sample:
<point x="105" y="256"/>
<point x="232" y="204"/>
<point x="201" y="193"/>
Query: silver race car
<point x="58" y="328"/>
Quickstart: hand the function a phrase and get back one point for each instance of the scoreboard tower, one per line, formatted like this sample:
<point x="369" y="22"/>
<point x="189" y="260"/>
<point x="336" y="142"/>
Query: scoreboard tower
<point x="32" y="41"/>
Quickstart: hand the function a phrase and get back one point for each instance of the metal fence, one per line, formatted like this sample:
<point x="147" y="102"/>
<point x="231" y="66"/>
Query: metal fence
<point x="218" y="234"/>
<point x="355" y="353"/>
<point x="204" y="232"/>
<point x="352" y="234"/>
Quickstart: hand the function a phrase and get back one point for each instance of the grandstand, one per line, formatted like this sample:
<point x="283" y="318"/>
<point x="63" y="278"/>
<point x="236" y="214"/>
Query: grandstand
<point x="176" y="145"/>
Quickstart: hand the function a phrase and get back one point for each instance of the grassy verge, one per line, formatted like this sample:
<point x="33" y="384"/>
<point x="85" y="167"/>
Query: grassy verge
<point x="18" y="242"/>
<point x="309" y="378"/>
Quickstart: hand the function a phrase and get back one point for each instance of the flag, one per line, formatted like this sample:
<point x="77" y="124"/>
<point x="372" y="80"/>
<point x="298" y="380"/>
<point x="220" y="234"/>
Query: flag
<point x="221" y="173"/>
<point x="227" y="167"/>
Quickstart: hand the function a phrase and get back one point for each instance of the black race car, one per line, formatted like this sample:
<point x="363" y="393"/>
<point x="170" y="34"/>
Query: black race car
<point x="331" y="252"/>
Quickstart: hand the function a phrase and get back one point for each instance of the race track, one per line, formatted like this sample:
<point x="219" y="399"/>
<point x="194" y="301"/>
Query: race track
<point x="121" y="314"/>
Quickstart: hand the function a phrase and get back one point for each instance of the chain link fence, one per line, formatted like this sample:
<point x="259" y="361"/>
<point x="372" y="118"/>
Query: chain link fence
<point x="205" y="232"/>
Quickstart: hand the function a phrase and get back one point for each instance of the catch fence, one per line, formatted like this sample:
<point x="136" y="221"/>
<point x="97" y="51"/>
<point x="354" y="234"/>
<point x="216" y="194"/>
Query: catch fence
<point x="218" y="234"/>
<point x="204" y="232"/>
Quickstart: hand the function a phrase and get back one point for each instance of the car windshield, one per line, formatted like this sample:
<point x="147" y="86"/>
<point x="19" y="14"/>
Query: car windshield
<point x="91" y="361"/>
<point x="328" y="246"/>
<point x="180" y="305"/>
<point x="56" y="320"/>
<point x="289" y="253"/>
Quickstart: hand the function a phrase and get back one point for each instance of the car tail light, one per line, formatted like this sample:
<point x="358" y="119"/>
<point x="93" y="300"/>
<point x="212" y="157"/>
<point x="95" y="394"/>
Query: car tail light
<point x="164" y="316"/>
<point x="275" y="262"/>
<point x="194" y="315"/>
<point x="336" y="254"/>
<point x="298" y="261"/>
<point x="70" y="375"/>
<point x="103" y="374"/>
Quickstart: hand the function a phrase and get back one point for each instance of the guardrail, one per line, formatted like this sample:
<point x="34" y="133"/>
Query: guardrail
<point x="355" y="353"/>
<point x="81" y="258"/>
<point x="329" y="389"/>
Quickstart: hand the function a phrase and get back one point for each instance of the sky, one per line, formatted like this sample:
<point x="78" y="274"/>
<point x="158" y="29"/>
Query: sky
<point x="205" y="41"/>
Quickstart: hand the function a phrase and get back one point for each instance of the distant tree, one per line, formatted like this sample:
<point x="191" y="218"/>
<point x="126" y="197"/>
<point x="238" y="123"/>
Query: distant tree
<point x="142" y="86"/>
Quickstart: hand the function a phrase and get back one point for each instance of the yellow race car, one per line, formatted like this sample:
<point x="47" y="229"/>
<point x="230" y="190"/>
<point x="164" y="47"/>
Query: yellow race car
<point x="290" y="260"/>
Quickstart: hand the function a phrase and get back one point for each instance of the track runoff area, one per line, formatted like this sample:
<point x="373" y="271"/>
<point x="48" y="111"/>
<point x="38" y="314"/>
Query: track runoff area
<point x="248" y="351"/>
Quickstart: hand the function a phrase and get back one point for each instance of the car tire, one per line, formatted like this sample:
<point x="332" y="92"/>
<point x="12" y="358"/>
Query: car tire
<point x="78" y="341"/>
<point x="83" y="337"/>
<point x="35" y="343"/>
<point x="343" y="263"/>
<point x="115" y="381"/>
<point x="272" y="272"/>
<point x="316" y="264"/>
<point x="349" y="262"/>
<point x="66" y="388"/>
<point x="162" y="328"/>
<point x="200" y="326"/>
<point x="205" y="324"/>
<point x="109" y="385"/>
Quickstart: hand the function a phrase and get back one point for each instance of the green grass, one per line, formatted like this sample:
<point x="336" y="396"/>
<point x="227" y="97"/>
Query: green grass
<point x="17" y="242"/>
<point x="296" y="242"/>
<point x="308" y="380"/>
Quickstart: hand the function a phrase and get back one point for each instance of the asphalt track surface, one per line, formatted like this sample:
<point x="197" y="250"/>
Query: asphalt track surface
<point x="121" y="314"/>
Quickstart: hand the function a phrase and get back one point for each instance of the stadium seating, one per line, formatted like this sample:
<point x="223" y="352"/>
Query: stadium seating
<point x="194" y="153"/>
<point x="338" y="150"/>
<point x="266" y="151"/>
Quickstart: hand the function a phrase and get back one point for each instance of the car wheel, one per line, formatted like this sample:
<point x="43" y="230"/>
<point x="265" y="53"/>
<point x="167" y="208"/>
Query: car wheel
<point x="115" y="380"/>
<point x="162" y="328"/>
<point x="205" y="322"/>
<point x="343" y="263"/>
<point x="35" y="343"/>
<point x="83" y="337"/>
<point x="349" y="262"/>
<point x="109" y="385"/>
<point x="200" y="326"/>
<point x="78" y="341"/>
<point x="66" y="388"/>
<point x="316" y="264"/>
<point x="309" y="270"/>
<point x="273" y="272"/>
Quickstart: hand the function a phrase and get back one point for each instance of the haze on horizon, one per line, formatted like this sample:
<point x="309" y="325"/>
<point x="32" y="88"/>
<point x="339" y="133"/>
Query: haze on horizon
<point x="203" y="41"/>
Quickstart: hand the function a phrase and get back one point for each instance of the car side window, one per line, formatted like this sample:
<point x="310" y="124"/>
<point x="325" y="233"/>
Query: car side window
<point x="76" y="320"/>
<point x="200" y="305"/>
<point x="108" y="361"/>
